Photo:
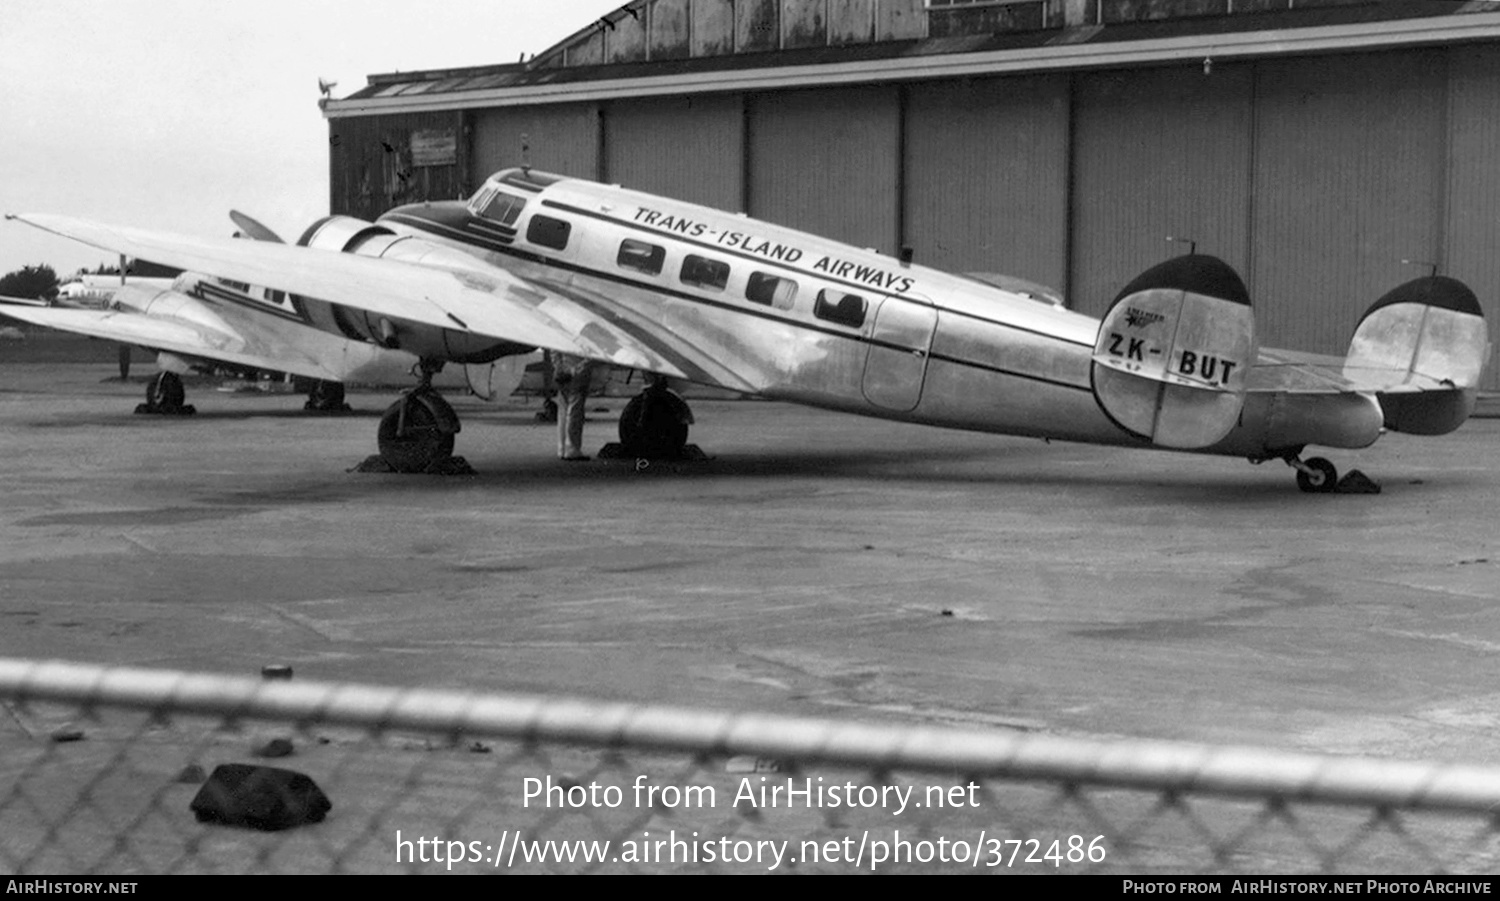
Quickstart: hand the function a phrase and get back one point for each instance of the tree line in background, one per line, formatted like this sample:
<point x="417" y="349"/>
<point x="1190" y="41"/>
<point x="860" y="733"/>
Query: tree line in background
<point x="30" y="283"/>
<point x="41" y="282"/>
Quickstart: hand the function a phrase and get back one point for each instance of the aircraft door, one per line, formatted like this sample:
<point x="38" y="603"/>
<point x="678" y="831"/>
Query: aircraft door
<point x="897" y="361"/>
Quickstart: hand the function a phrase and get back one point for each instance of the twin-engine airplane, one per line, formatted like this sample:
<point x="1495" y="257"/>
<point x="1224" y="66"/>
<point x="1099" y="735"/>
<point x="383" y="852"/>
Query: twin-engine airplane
<point x="689" y="292"/>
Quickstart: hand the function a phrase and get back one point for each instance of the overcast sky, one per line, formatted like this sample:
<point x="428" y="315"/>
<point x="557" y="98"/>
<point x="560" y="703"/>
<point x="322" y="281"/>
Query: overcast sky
<point x="169" y="113"/>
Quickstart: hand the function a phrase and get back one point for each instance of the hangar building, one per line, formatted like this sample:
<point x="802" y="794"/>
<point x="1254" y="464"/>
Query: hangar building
<point x="1315" y="145"/>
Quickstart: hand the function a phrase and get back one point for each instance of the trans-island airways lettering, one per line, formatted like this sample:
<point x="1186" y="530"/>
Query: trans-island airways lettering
<point x="694" y="293"/>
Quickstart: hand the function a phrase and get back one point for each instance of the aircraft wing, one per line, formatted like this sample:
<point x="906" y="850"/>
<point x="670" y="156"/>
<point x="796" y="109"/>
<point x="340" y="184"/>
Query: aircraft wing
<point x="182" y="338"/>
<point x="490" y="302"/>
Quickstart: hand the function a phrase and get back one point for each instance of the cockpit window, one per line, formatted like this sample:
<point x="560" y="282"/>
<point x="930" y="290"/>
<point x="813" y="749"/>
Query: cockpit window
<point x="481" y="198"/>
<point x="504" y="208"/>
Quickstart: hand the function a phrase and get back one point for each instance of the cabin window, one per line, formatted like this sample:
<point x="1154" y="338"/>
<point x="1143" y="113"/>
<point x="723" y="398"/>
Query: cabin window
<point x="504" y="208"/>
<point x="771" y="290"/>
<point x="836" y="306"/>
<point x="705" y="273"/>
<point x="549" y="232"/>
<point x="639" y="255"/>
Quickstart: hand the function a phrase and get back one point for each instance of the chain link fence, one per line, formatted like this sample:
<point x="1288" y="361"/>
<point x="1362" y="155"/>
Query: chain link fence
<point x="119" y="771"/>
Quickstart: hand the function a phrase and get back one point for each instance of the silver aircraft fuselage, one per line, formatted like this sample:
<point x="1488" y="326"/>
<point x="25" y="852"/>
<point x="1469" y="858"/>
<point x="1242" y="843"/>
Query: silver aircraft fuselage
<point x="787" y="315"/>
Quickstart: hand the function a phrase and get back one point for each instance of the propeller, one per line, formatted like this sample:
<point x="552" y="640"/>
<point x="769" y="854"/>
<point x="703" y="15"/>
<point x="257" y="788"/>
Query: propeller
<point x="252" y="229"/>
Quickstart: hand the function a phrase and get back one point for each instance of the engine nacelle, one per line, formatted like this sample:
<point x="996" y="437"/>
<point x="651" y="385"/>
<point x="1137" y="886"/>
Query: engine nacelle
<point x="346" y="234"/>
<point x="1173" y="352"/>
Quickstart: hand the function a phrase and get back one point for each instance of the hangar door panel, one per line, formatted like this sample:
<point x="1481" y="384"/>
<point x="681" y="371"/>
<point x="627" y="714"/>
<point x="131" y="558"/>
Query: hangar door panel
<point x="563" y="138"/>
<point x="826" y="161"/>
<point x="1157" y="152"/>
<point x="1473" y="228"/>
<point x="897" y="363"/>
<point x="1348" y="181"/>
<point x="687" y="148"/>
<point x="987" y="176"/>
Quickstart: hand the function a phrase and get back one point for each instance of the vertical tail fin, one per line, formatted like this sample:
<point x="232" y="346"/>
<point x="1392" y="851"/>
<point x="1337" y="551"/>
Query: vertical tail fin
<point x="1170" y="361"/>
<point x="1429" y="333"/>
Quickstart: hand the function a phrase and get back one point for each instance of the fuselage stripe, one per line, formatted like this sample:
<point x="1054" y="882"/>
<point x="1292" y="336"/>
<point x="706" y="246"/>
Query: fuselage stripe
<point x="457" y="234"/>
<point x="210" y="291"/>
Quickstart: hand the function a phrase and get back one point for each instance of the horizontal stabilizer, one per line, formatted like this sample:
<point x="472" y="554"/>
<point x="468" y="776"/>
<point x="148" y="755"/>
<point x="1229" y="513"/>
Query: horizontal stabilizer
<point x="1173" y="353"/>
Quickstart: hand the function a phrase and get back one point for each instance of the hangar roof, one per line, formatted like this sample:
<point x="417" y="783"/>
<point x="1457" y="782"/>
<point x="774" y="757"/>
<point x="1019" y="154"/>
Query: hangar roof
<point x="555" y="76"/>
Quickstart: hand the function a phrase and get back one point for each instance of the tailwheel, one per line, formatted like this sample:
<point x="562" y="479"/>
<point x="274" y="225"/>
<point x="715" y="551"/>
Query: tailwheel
<point x="1315" y="476"/>
<point x="416" y="432"/>
<point x="165" y="394"/>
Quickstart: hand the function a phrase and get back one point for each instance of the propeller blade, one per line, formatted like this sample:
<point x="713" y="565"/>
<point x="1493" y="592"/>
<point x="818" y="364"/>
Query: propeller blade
<point x="252" y="229"/>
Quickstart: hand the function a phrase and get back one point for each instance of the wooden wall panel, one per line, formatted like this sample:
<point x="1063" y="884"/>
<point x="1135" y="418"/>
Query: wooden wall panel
<point x="827" y="161"/>
<point x="689" y="148"/>
<point x="562" y="138"/>
<point x="987" y="175"/>
<point x="1157" y="153"/>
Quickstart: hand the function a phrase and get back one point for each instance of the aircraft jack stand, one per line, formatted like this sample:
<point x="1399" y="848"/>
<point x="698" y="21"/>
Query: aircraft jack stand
<point x="687" y="453"/>
<point x="1318" y="476"/>
<point x="157" y="410"/>
<point x="446" y="466"/>
<point x="164" y="397"/>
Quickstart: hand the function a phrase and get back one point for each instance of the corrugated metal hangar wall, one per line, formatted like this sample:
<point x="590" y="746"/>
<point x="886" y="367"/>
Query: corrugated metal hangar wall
<point x="1315" y="176"/>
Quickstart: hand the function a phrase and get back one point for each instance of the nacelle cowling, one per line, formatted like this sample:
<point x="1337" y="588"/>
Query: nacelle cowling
<point x="346" y="234"/>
